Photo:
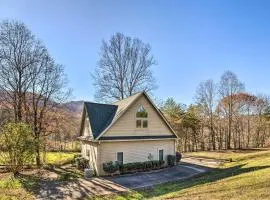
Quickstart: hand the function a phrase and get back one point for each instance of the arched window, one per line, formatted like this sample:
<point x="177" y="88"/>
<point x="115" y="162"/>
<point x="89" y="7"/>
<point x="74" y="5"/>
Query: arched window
<point x="141" y="112"/>
<point x="141" y="117"/>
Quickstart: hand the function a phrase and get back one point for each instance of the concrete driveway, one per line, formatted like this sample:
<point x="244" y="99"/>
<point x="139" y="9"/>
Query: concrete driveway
<point x="148" y="179"/>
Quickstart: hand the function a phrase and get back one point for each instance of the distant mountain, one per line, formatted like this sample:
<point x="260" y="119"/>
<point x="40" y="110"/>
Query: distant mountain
<point x="75" y="106"/>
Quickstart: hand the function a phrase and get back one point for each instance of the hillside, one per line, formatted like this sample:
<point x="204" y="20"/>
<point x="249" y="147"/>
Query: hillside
<point x="74" y="106"/>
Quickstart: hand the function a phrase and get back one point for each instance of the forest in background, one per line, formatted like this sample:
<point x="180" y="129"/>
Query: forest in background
<point x="224" y="116"/>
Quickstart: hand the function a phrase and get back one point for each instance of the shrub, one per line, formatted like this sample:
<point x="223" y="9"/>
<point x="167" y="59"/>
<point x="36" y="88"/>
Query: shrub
<point x="18" y="145"/>
<point x="110" y="167"/>
<point x="75" y="157"/>
<point x="81" y="163"/>
<point x="178" y="157"/>
<point x="171" y="160"/>
<point x="161" y="162"/>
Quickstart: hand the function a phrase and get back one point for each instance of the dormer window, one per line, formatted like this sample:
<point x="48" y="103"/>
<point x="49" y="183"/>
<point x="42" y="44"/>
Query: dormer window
<point x="141" y="118"/>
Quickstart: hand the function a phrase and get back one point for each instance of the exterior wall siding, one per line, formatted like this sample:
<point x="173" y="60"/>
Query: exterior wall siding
<point x="86" y="128"/>
<point x="134" y="151"/>
<point x="126" y="124"/>
<point x="93" y="154"/>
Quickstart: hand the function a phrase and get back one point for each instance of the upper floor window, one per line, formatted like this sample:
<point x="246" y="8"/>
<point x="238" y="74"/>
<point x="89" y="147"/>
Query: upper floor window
<point x="141" y="112"/>
<point x="141" y="118"/>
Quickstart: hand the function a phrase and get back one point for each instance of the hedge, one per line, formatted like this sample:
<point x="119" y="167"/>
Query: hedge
<point x="171" y="160"/>
<point x="112" y="167"/>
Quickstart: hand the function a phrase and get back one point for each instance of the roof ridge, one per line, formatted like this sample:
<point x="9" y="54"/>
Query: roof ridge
<point x="107" y="104"/>
<point x="128" y="97"/>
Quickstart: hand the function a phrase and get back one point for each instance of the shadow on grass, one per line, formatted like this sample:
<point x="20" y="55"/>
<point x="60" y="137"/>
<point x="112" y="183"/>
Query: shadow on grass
<point x="212" y="176"/>
<point x="68" y="185"/>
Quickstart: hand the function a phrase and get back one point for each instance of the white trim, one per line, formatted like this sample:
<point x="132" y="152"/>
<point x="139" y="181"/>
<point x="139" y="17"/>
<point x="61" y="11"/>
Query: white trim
<point x="133" y="140"/>
<point x="161" y="114"/>
<point x="113" y="121"/>
<point x="116" y="159"/>
<point x="124" y="111"/>
<point x="158" y="153"/>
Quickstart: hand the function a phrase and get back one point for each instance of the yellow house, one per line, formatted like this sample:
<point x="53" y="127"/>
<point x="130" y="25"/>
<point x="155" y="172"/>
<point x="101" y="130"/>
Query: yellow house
<point x="130" y="130"/>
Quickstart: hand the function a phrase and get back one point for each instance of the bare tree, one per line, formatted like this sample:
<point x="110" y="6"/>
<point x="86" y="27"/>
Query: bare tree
<point x="124" y="68"/>
<point x="229" y="85"/>
<point x="19" y="53"/>
<point x="31" y="82"/>
<point x="261" y="106"/>
<point x="206" y="99"/>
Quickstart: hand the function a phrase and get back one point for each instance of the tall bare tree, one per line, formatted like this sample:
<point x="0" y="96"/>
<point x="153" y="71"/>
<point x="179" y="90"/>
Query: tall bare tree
<point x="19" y="53"/>
<point x="124" y="68"/>
<point x="229" y="86"/>
<point x="31" y="83"/>
<point x="206" y="99"/>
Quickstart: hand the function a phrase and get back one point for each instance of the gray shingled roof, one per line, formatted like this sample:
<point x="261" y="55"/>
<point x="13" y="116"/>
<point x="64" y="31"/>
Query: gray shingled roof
<point x="100" y="116"/>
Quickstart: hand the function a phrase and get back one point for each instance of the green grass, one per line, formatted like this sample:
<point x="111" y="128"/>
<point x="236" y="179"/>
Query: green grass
<point x="13" y="188"/>
<point x="228" y="155"/>
<point x="248" y="177"/>
<point x="59" y="158"/>
<point x="54" y="158"/>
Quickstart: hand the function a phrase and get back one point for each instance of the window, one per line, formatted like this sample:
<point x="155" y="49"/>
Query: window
<point x="145" y="123"/>
<point x="141" y="112"/>
<point x="120" y="157"/>
<point x="141" y="117"/>
<point x="138" y="123"/>
<point x="160" y="154"/>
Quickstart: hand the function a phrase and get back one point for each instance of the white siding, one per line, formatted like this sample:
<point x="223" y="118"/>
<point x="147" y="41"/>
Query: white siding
<point x="134" y="151"/>
<point x="93" y="154"/>
<point x="126" y="124"/>
<point x="87" y="128"/>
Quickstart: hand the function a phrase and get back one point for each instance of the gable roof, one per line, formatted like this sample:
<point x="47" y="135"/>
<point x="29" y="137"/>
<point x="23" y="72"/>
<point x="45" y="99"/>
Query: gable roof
<point x="100" y="116"/>
<point x="103" y="116"/>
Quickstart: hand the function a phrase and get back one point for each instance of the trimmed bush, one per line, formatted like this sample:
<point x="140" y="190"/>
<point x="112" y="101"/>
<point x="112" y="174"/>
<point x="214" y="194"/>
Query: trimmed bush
<point x="178" y="157"/>
<point x="111" y="167"/>
<point x="140" y="166"/>
<point x="81" y="163"/>
<point x="171" y="160"/>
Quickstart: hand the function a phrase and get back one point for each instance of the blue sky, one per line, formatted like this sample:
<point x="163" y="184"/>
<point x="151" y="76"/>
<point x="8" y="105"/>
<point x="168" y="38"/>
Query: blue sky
<point x="191" y="40"/>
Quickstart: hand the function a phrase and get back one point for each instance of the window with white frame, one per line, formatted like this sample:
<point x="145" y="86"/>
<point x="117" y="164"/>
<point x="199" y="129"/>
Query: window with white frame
<point x="141" y="118"/>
